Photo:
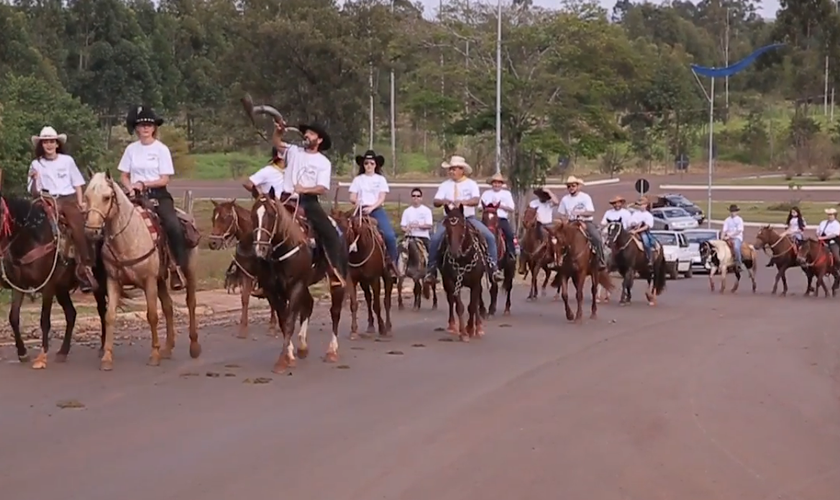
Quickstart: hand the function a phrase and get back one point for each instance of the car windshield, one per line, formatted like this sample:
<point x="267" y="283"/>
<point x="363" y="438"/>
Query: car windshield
<point x="666" y="238"/>
<point x="680" y="201"/>
<point x="700" y="236"/>
<point x="673" y="213"/>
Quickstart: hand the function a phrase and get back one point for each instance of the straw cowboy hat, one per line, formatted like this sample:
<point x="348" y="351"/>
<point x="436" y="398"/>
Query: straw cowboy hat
<point x="48" y="133"/>
<point x="574" y="180"/>
<point x="497" y="178"/>
<point x="617" y="199"/>
<point x="457" y="161"/>
<point x="831" y="211"/>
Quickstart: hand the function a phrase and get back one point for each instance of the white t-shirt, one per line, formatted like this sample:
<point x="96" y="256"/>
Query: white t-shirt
<point x="465" y="190"/>
<point x="268" y="177"/>
<point x="307" y="169"/>
<point x="146" y="163"/>
<point x="639" y="217"/>
<point x="733" y="227"/>
<point x="368" y="187"/>
<point x="417" y="215"/>
<point x="829" y="229"/>
<point x="545" y="211"/>
<point x="793" y="226"/>
<point x="581" y="202"/>
<point x="59" y="177"/>
<point x="503" y="195"/>
<point x="622" y="215"/>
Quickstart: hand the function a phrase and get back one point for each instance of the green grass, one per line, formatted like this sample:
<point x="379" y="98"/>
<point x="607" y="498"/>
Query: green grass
<point x="771" y="212"/>
<point x="215" y="166"/>
<point x="781" y="181"/>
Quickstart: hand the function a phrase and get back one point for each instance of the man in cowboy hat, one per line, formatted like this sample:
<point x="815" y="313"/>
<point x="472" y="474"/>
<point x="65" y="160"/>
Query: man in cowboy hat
<point x="460" y="190"/>
<point x="733" y="232"/>
<point x="617" y="213"/>
<point x="497" y="194"/>
<point x="577" y="205"/>
<point x="368" y="191"/>
<point x="829" y="232"/>
<point x="640" y="223"/>
<point x="545" y="204"/>
<point x="270" y="176"/>
<point x="308" y="175"/>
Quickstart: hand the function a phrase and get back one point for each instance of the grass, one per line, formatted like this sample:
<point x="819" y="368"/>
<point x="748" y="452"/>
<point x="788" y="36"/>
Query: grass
<point x="771" y="212"/>
<point x="781" y="181"/>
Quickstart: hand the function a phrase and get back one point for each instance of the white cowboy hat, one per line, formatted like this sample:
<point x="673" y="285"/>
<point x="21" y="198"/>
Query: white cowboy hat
<point x="48" y="133"/>
<point x="457" y="161"/>
<point x="831" y="211"/>
<point x="574" y="180"/>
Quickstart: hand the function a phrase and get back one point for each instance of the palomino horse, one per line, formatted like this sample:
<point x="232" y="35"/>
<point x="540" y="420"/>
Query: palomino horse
<point x="412" y="263"/>
<point x="721" y="259"/>
<point x="576" y="260"/>
<point x="783" y="254"/>
<point x="33" y="259"/>
<point x="628" y="257"/>
<point x="815" y="257"/>
<point x="368" y="267"/>
<point x="288" y="267"/>
<point x="536" y="251"/>
<point x="507" y="263"/>
<point x="232" y="223"/>
<point x="135" y="252"/>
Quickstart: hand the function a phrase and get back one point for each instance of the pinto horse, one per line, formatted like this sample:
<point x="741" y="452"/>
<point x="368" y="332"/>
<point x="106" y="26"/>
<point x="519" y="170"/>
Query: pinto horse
<point x="628" y="257"/>
<point x="815" y="256"/>
<point x="412" y="263"/>
<point x="783" y="254"/>
<point x="536" y="253"/>
<point x="507" y="263"/>
<point x="232" y="223"/>
<point x="721" y="259"/>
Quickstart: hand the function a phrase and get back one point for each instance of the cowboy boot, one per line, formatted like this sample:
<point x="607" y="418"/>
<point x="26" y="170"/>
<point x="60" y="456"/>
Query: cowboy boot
<point x="87" y="282"/>
<point x="177" y="281"/>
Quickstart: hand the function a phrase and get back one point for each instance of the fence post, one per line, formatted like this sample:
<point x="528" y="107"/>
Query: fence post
<point x="188" y="201"/>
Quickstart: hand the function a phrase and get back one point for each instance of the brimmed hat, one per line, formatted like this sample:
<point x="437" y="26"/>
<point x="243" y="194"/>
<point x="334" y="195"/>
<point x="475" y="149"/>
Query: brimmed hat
<point x="831" y="211"/>
<point x="141" y="114"/>
<point x="457" y="161"/>
<point x="617" y="199"/>
<point x="48" y="133"/>
<point x="574" y="180"/>
<point x="734" y="208"/>
<point x="370" y="155"/>
<point x="326" y="142"/>
<point x="541" y="194"/>
<point x="497" y="178"/>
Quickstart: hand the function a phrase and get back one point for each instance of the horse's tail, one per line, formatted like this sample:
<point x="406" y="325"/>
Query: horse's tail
<point x="660" y="274"/>
<point x="605" y="281"/>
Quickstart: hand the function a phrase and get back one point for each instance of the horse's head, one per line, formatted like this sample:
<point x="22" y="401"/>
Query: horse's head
<point x="490" y="216"/>
<point x="102" y="197"/>
<point x="455" y="225"/>
<point x="264" y="217"/>
<point x="808" y="252"/>
<point x="225" y="224"/>
<point x="529" y="218"/>
<point x="707" y="251"/>
<point x="766" y="236"/>
<point x="614" y="229"/>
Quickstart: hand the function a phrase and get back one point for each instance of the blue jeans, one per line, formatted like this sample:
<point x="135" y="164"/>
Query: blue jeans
<point x="437" y="239"/>
<point x="507" y="231"/>
<point x="736" y="246"/>
<point x="387" y="231"/>
<point x="647" y="242"/>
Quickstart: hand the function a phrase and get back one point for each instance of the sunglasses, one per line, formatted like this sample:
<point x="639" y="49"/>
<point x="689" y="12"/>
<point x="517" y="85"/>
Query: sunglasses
<point x="416" y="196"/>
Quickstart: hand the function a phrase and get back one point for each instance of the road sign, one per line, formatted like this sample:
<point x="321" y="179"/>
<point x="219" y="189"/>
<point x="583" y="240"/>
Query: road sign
<point x="681" y="162"/>
<point x="642" y="186"/>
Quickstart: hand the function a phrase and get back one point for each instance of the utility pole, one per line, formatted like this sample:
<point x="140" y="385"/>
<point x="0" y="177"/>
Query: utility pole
<point x="726" y="56"/>
<point x="393" y="110"/>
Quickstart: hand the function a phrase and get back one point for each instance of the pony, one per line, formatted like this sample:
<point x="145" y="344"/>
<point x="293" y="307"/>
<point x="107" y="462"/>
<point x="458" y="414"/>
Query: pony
<point x="815" y="257"/>
<point x="134" y="253"/>
<point x="783" y="254"/>
<point x="536" y="252"/>
<point x="507" y="263"/>
<point x="718" y="254"/>
<point x="412" y="263"/>
<point x="628" y="257"/>
<point x="232" y="223"/>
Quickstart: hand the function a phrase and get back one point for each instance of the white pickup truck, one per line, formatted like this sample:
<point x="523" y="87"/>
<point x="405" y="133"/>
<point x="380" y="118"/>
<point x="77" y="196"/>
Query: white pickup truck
<point x="678" y="254"/>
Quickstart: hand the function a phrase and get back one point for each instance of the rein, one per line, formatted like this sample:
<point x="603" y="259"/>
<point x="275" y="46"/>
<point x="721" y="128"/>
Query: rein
<point x="354" y="245"/>
<point x="259" y="230"/>
<point x="111" y="255"/>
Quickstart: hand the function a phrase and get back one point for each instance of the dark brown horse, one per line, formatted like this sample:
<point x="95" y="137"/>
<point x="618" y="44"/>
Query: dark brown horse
<point x="367" y="267"/>
<point x="783" y="254"/>
<point x="536" y="253"/>
<point x="815" y="256"/>
<point x="34" y="258"/>
<point x="232" y="224"/>
<point x="288" y="267"/>
<point x="507" y="263"/>
<point x="628" y="257"/>
<point x="412" y="264"/>
<point x="576" y="260"/>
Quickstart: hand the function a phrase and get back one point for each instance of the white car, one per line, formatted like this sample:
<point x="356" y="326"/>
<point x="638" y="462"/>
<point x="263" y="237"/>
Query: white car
<point x="695" y="237"/>
<point x="678" y="254"/>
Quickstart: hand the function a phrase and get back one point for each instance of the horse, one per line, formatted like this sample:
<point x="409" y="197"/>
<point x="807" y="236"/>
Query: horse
<point x="628" y="257"/>
<point x="507" y="263"/>
<point x="721" y="259"/>
<point x="536" y="252"/>
<point x="412" y="263"/>
<point x="783" y="255"/>
<point x="367" y="267"/>
<point x="462" y="264"/>
<point x="288" y="267"/>
<point x="34" y="258"/>
<point x="135" y="252"/>
<point x="576" y="259"/>
<point x="815" y="257"/>
<point x="232" y="223"/>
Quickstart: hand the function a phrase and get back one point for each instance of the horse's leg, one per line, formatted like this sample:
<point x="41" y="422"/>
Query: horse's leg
<point x="779" y="275"/>
<point x="474" y="324"/>
<point x="434" y="297"/>
<point x="737" y="280"/>
<point x="376" y="296"/>
<point x="192" y="281"/>
<point x="418" y="290"/>
<point x="245" y="287"/>
<point x="545" y="281"/>
<point x="66" y="303"/>
<point x="286" y="359"/>
<point x="272" y="322"/>
<point x="337" y="296"/>
<point x="651" y="288"/>
<point x="168" y="309"/>
<point x="106" y="363"/>
<point x="810" y="278"/>
<point x="101" y="297"/>
<point x="594" y="290"/>
<point x="388" y="281"/>
<point x="564" y="283"/>
<point x="509" y="275"/>
<point x="14" y="321"/>
<point x="150" y="288"/>
<point x="494" y="297"/>
<point x="449" y="289"/>
<point x="462" y="321"/>
<point x="46" y="312"/>
<point x="626" y="285"/>
<point x="723" y="272"/>
<point x="400" y="305"/>
<point x="307" y="306"/>
<point x="783" y="274"/>
<point x="532" y="295"/>
<point x="368" y="291"/>
<point x="354" y="310"/>
<point x="823" y="285"/>
<point x="579" y="281"/>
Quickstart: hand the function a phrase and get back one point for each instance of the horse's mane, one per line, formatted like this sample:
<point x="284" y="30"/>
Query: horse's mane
<point x="100" y="184"/>
<point x="286" y="223"/>
<point x="26" y="216"/>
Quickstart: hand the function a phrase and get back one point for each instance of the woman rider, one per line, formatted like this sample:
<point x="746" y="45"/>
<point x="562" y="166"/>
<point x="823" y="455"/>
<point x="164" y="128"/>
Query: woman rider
<point x="367" y="192"/>
<point x="146" y="167"/>
<point x="641" y="222"/>
<point x="57" y="174"/>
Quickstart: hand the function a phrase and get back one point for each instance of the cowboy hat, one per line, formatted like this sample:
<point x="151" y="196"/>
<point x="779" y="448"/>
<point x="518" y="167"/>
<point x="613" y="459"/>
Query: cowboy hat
<point x="831" y="211"/>
<point x="457" y="161"/>
<point x="48" y="133"/>
<point x="326" y="142"/>
<point x="574" y="180"/>
<point x="734" y="208"/>
<point x="497" y="178"/>
<point x="617" y="199"/>
<point x="542" y="194"/>
<point x="370" y="155"/>
<point x="141" y="114"/>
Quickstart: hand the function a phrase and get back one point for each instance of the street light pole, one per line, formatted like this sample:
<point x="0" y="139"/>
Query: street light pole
<point x="499" y="88"/>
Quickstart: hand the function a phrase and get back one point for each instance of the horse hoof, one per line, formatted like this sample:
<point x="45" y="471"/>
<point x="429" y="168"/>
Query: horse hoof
<point x="331" y="357"/>
<point x="195" y="350"/>
<point x="506" y="313"/>
<point x="40" y="362"/>
<point x="570" y="317"/>
<point x="464" y="337"/>
<point x="593" y="316"/>
<point x="243" y="334"/>
<point x="106" y="366"/>
<point x="61" y="357"/>
<point x="353" y="336"/>
<point x="24" y="358"/>
<point x="154" y="360"/>
<point x="281" y="366"/>
<point x="400" y="307"/>
<point x="303" y="352"/>
<point x="370" y="330"/>
<point x="652" y="303"/>
<point x="166" y="353"/>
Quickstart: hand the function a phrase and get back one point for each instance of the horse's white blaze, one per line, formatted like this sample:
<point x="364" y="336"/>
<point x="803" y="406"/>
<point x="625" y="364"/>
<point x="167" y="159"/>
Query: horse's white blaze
<point x="260" y="216"/>
<point x="303" y="334"/>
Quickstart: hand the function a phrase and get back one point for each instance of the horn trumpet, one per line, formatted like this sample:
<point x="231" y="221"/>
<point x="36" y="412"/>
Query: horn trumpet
<point x="252" y="111"/>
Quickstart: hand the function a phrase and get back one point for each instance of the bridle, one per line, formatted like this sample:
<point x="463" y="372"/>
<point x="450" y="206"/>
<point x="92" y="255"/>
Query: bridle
<point x="106" y="215"/>
<point x="258" y="230"/>
<point x="229" y="236"/>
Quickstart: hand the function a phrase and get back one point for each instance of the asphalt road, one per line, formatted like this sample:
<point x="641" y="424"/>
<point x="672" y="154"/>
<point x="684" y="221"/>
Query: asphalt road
<point x="704" y="397"/>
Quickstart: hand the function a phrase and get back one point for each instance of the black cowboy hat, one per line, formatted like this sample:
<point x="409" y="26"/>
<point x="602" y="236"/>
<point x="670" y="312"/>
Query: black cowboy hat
<point x="734" y="208"/>
<point x="541" y="194"/>
<point x="141" y="114"/>
<point x="370" y="155"/>
<point x="326" y="142"/>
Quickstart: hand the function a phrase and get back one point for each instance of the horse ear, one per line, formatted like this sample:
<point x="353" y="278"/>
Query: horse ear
<point x="90" y="173"/>
<point x="233" y="201"/>
<point x="255" y="193"/>
<point x="271" y="194"/>
<point x="460" y="207"/>
<point x="214" y="202"/>
<point x="446" y="209"/>
<point x="108" y="174"/>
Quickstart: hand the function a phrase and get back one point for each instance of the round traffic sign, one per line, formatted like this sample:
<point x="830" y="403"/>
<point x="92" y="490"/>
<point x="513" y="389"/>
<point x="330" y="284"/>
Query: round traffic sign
<point x="642" y="186"/>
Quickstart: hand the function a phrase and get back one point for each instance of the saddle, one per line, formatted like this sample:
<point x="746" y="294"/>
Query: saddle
<point x="67" y="250"/>
<point x="146" y="209"/>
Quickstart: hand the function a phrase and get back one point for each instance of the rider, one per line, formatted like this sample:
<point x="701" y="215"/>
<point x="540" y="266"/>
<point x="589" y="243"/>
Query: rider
<point x="578" y="205"/>
<point x="57" y="174"/>
<point x="829" y="232"/>
<point x="617" y="213"/>
<point x="417" y="219"/>
<point x="505" y="200"/>
<point x="270" y="176"/>
<point x="308" y="174"/>
<point x="794" y="227"/>
<point x="146" y="167"/>
<point x="460" y="189"/>
<point x="545" y="204"/>
<point x="641" y="222"/>
<point x="733" y="231"/>
<point x="367" y="192"/>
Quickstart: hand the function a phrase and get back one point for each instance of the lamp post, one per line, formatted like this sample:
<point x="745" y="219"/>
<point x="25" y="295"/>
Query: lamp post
<point x="499" y="87"/>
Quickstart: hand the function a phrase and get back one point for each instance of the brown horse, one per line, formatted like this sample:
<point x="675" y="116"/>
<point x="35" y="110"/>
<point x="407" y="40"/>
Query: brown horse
<point x="288" y="267"/>
<point x="536" y="253"/>
<point x="232" y="223"/>
<point x="507" y="263"/>
<point x="783" y="254"/>
<point x="368" y="267"/>
<point x="412" y="264"/>
<point x="576" y="260"/>
<point x="34" y="259"/>
<point x="628" y="257"/>
<point x="815" y="256"/>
